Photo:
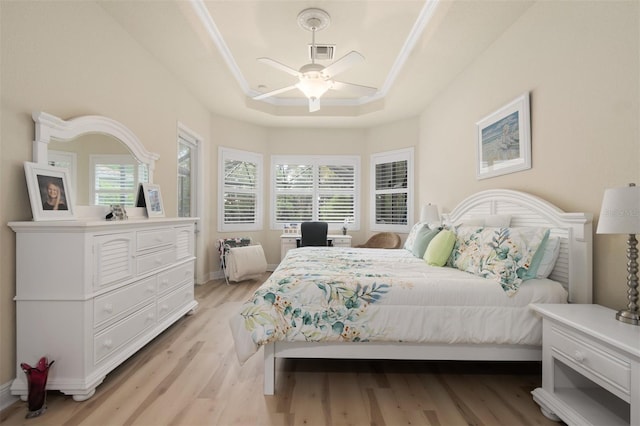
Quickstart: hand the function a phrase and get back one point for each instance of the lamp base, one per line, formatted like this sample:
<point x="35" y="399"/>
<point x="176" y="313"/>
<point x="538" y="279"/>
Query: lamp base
<point x="628" y="317"/>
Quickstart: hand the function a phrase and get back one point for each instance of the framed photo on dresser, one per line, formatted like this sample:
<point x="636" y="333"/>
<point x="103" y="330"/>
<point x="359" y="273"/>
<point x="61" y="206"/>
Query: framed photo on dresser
<point x="150" y="197"/>
<point x="49" y="192"/>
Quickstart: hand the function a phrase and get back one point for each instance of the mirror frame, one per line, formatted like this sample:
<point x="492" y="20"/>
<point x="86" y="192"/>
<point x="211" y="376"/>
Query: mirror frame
<point x="51" y="128"/>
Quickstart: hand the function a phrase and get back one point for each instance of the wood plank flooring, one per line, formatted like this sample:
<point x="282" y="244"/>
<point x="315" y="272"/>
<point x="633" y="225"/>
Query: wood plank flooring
<point x="189" y="375"/>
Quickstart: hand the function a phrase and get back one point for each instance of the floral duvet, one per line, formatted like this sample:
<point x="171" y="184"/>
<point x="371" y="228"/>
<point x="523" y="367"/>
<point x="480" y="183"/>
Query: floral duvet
<point x="360" y="295"/>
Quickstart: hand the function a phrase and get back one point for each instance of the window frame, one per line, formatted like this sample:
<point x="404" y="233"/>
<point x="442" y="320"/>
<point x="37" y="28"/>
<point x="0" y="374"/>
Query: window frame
<point x="224" y="154"/>
<point x="405" y="154"/>
<point x="315" y="161"/>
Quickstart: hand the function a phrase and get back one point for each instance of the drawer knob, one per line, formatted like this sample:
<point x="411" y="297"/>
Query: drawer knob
<point x="158" y="261"/>
<point x="108" y="308"/>
<point x="150" y="317"/>
<point x="150" y="288"/>
<point x="107" y="344"/>
<point x="579" y="356"/>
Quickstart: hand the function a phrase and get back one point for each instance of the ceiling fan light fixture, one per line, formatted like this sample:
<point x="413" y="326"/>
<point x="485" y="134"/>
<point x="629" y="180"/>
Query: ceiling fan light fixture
<point x="314" y="86"/>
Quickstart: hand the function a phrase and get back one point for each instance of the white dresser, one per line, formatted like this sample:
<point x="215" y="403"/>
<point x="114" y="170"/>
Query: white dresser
<point x="289" y="241"/>
<point x="89" y="294"/>
<point x="590" y="366"/>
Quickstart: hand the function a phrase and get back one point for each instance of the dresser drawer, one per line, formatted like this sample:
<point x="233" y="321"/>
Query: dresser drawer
<point x="149" y="262"/>
<point x="113" y="338"/>
<point x="172" y="278"/>
<point x="174" y="301"/>
<point x="118" y="303"/>
<point x="154" y="238"/>
<point x="585" y="356"/>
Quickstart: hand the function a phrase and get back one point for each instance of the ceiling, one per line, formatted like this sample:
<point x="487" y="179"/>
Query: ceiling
<point x="413" y="49"/>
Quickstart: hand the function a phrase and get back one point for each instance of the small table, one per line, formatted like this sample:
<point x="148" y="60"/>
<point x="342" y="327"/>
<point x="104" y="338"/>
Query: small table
<point x="289" y="241"/>
<point x="590" y="366"/>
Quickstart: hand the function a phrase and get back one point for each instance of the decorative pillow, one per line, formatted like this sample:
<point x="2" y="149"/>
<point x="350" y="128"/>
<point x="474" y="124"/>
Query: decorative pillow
<point x="439" y="249"/>
<point x="408" y="244"/>
<point x="501" y="254"/>
<point x="424" y="237"/>
<point x="549" y="258"/>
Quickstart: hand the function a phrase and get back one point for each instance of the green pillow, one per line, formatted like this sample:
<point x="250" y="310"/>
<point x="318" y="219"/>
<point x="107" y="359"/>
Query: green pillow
<point x="440" y="247"/>
<point x="532" y="272"/>
<point x="423" y="238"/>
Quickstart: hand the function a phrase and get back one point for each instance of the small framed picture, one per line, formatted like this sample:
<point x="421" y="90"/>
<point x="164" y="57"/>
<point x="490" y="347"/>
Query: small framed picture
<point x="504" y="140"/>
<point x="49" y="192"/>
<point x="149" y="196"/>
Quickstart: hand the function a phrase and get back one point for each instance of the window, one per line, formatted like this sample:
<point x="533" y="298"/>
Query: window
<point x="392" y="191"/>
<point x="314" y="188"/>
<point x="240" y="203"/>
<point x="115" y="179"/>
<point x="187" y="173"/>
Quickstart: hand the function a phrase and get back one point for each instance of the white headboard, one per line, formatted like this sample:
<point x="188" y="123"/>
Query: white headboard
<point x="574" y="267"/>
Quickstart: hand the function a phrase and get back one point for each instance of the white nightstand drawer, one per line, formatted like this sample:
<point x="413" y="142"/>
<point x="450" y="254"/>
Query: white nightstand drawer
<point x="585" y="355"/>
<point x="119" y="302"/>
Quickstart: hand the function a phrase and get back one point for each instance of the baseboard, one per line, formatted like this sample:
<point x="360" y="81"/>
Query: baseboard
<point x="6" y="399"/>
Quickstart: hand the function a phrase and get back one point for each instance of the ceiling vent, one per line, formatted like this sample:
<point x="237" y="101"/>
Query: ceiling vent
<point x="324" y="52"/>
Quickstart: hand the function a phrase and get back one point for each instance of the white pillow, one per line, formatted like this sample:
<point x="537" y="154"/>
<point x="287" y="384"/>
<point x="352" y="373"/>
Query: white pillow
<point x="549" y="258"/>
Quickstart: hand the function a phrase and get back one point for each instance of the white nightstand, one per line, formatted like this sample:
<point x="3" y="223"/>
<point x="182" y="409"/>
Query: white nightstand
<point x="288" y="242"/>
<point x="590" y="366"/>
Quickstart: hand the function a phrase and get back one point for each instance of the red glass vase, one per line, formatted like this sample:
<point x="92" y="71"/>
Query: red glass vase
<point x="37" y="386"/>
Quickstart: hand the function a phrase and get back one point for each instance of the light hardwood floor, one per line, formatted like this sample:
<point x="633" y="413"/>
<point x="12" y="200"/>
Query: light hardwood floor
<point x="189" y="375"/>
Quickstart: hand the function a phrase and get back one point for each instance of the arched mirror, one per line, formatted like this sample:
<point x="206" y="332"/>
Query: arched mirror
<point x="106" y="161"/>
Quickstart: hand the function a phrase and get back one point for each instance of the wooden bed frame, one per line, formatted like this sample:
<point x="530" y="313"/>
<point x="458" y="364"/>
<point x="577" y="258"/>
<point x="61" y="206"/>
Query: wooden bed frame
<point x="573" y="269"/>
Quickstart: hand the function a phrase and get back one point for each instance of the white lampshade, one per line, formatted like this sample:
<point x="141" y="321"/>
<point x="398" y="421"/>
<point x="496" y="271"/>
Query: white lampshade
<point x="429" y="214"/>
<point x="620" y="212"/>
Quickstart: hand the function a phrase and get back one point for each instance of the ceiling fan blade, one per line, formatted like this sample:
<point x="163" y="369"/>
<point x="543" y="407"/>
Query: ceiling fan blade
<point x="278" y="65"/>
<point x="274" y="92"/>
<point x="342" y="64"/>
<point x="314" y="104"/>
<point x="356" y="89"/>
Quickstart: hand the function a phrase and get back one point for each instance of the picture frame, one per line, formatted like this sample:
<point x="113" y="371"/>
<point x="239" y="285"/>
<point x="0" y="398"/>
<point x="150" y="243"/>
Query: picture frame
<point x="50" y="192"/>
<point x="150" y="197"/>
<point x="504" y="140"/>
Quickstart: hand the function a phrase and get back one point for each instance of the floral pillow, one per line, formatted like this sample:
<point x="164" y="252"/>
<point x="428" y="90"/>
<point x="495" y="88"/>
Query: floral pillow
<point x="501" y="254"/>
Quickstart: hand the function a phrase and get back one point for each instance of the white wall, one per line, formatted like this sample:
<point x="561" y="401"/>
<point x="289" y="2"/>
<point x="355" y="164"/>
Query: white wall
<point x="579" y="61"/>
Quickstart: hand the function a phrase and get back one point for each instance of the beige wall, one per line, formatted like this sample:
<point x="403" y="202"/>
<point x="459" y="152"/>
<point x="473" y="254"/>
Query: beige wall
<point x="70" y="59"/>
<point x="579" y="61"/>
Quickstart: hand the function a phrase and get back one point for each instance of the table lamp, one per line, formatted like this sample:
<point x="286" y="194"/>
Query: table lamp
<point x="620" y="214"/>
<point x="429" y="214"/>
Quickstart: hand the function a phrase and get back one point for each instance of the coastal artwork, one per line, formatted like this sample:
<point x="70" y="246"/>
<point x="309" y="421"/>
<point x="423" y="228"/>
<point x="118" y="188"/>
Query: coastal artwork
<point x="504" y="140"/>
<point x="501" y="141"/>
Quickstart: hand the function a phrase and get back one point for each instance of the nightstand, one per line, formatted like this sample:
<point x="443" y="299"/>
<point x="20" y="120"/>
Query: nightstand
<point x="590" y="366"/>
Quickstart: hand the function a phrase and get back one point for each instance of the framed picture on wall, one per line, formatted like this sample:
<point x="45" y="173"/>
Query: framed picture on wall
<point x="49" y="192"/>
<point x="504" y="140"/>
<point x="149" y="196"/>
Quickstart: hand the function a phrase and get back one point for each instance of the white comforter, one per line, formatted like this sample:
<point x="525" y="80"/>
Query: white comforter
<point x="355" y="295"/>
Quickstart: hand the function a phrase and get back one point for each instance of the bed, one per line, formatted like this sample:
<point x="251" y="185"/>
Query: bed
<point x="390" y="304"/>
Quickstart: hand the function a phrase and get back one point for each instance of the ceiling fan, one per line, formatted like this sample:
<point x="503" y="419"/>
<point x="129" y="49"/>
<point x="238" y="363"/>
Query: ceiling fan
<point x="314" y="79"/>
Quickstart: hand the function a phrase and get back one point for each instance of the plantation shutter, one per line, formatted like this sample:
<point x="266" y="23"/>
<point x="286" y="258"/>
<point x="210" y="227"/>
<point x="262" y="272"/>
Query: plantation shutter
<point x="391" y="193"/>
<point x="294" y="185"/>
<point x="240" y="187"/>
<point x="336" y="189"/>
